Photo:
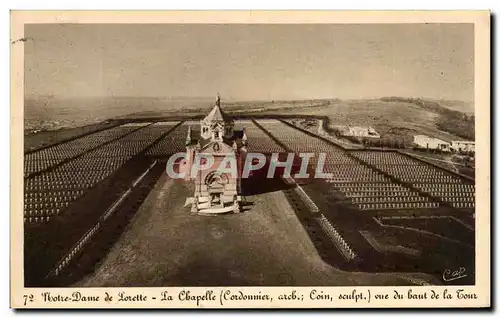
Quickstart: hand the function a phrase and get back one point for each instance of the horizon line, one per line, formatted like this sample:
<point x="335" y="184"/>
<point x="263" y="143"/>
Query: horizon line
<point x="235" y="99"/>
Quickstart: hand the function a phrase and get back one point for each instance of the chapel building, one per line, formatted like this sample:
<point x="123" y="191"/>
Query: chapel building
<point x="215" y="191"/>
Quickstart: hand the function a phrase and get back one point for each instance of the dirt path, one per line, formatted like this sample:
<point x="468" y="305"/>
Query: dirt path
<point x="165" y="245"/>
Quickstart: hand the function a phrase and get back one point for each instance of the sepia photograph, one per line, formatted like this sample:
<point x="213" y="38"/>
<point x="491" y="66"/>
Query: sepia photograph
<point x="250" y="155"/>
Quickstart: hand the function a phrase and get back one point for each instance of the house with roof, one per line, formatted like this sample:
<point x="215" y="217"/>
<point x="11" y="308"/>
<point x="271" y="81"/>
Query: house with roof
<point x="426" y="142"/>
<point x="359" y="131"/>
<point x="463" y="146"/>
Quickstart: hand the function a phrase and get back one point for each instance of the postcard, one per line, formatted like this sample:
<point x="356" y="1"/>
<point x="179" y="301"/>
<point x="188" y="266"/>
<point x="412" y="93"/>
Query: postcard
<point x="250" y="159"/>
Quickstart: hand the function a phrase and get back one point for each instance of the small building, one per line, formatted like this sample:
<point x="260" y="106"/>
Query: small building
<point x="358" y="131"/>
<point x="215" y="191"/>
<point x="426" y="142"/>
<point x="463" y="146"/>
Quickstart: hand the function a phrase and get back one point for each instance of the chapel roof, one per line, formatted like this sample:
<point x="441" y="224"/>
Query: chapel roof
<point x="216" y="114"/>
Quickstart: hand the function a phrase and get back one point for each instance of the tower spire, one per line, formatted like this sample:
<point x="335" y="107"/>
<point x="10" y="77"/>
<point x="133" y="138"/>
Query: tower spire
<point x="244" y="137"/>
<point x="188" y="137"/>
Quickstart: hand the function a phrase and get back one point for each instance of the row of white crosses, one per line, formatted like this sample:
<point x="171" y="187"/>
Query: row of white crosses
<point x="68" y="182"/>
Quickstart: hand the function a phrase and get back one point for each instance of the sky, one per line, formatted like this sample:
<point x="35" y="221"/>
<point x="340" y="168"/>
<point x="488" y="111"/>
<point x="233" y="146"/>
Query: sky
<point x="251" y="62"/>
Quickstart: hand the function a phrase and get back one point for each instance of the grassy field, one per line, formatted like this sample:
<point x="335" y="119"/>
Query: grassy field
<point x="50" y="113"/>
<point x="49" y="137"/>
<point x="390" y="118"/>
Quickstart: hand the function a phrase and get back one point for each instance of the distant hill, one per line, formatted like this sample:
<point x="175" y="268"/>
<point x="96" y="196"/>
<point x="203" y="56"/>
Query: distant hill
<point x="450" y="120"/>
<point x="50" y="113"/>
<point x="458" y="105"/>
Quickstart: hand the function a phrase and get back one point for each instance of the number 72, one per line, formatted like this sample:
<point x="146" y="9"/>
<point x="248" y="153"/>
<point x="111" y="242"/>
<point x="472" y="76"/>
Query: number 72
<point x="29" y="297"/>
